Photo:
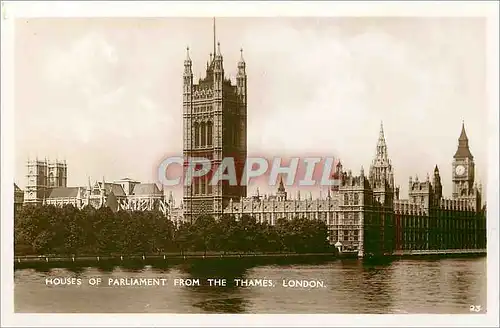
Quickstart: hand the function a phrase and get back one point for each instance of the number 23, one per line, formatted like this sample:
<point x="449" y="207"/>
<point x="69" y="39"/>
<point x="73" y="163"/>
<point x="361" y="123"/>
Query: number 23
<point x="475" y="308"/>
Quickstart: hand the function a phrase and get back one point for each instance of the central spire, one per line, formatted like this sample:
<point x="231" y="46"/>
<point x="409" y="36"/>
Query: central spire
<point x="215" y="38"/>
<point x="381" y="168"/>
<point x="381" y="133"/>
<point x="381" y="145"/>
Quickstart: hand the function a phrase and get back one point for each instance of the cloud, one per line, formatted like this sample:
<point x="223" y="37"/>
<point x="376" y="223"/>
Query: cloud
<point x="323" y="86"/>
<point x="104" y="103"/>
<point x="86" y="65"/>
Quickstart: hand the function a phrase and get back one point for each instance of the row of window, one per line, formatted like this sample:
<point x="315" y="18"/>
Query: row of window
<point x="202" y="187"/>
<point x="201" y="109"/>
<point x="440" y="224"/>
<point x="203" y="134"/>
<point x="351" y="199"/>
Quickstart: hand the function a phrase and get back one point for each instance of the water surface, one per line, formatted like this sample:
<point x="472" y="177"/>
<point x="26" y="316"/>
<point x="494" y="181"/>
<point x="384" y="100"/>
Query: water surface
<point x="351" y="287"/>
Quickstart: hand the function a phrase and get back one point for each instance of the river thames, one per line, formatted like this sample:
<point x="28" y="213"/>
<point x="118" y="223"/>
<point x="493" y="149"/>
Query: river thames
<point x="346" y="286"/>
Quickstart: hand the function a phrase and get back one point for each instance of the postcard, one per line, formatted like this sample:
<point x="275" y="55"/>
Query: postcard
<point x="172" y="160"/>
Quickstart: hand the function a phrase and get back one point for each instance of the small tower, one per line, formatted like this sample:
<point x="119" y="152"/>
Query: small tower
<point x="463" y="168"/>
<point x="337" y="177"/>
<point x="187" y="80"/>
<point x="171" y="201"/>
<point x="381" y="175"/>
<point x="241" y="79"/>
<point x="102" y="190"/>
<point x="281" y="194"/>
<point x="437" y="187"/>
<point x="218" y="72"/>
<point x="37" y="182"/>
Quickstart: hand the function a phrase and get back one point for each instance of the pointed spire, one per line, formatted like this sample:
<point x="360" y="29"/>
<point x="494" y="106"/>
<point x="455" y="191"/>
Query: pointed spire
<point x="187" y="65"/>
<point x="463" y="150"/>
<point x="463" y="135"/>
<point x="381" y="133"/>
<point x="171" y="198"/>
<point x="214" y="35"/>
<point x="381" y="156"/>
<point x="281" y="186"/>
<point x="436" y="170"/>
<point x="218" y="49"/>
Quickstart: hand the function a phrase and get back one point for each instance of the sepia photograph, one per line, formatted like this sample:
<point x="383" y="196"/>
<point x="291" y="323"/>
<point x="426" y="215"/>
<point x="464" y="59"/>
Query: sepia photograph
<point x="250" y="163"/>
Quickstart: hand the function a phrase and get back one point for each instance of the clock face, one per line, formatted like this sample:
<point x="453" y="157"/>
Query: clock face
<point x="460" y="170"/>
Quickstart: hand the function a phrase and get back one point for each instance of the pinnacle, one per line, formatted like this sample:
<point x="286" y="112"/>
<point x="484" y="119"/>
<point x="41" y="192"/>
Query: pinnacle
<point x="463" y="134"/>
<point x="241" y="56"/>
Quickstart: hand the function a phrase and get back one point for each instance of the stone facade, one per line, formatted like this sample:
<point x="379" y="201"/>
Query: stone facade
<point x="214" y="127"/>
<point x="124" y="194"/>
<point x="43" y="175"/>
<point x="365" y="215"/>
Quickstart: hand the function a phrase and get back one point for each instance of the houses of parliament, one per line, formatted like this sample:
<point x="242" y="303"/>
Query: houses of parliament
<point x="364" y="213"/>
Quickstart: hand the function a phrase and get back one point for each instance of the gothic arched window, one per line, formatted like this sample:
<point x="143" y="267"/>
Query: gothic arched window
<point x="209" y="133"/>
<point x="356" y="199"/>
<point x="346" y="199"/>
<point x="196" y="134"/>
<point x="203" y="134"/>
<point x="202" y="182"/>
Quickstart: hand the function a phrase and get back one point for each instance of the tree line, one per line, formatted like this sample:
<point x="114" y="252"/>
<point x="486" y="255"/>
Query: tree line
<point x="43" y="230"/>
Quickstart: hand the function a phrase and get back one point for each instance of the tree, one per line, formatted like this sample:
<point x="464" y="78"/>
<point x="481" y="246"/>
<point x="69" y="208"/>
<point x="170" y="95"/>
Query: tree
<point x="182" y="237"/>
<point x="204" y="230"/>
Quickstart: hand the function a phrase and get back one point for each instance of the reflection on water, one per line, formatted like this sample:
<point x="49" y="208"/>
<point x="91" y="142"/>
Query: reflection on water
<point x="351" y="286"/>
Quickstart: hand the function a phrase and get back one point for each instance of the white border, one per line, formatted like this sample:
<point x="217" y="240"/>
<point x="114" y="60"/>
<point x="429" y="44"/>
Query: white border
<point x="488" y="9"/>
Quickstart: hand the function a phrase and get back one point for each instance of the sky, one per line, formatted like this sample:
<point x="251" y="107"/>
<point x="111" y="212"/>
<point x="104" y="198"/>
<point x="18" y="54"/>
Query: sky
<point x="105" y="94"/>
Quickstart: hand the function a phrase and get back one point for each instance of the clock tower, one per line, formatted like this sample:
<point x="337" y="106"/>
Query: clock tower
<point x="463" y="168"/>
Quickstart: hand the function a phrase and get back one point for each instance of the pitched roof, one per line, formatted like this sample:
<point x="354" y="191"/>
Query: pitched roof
<point x="463" y="150"/>
<point x="143" y="189"/>
<point x="63" y="192"/>
<point x="16" y="188"/>
<point x="115" y="188"/>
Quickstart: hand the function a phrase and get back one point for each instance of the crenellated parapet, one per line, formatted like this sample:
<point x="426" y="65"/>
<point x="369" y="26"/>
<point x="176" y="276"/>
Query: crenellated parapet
<point x="407" y="207"/>
<point x="253" y="205"/>
<point x="456" y="205"/>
